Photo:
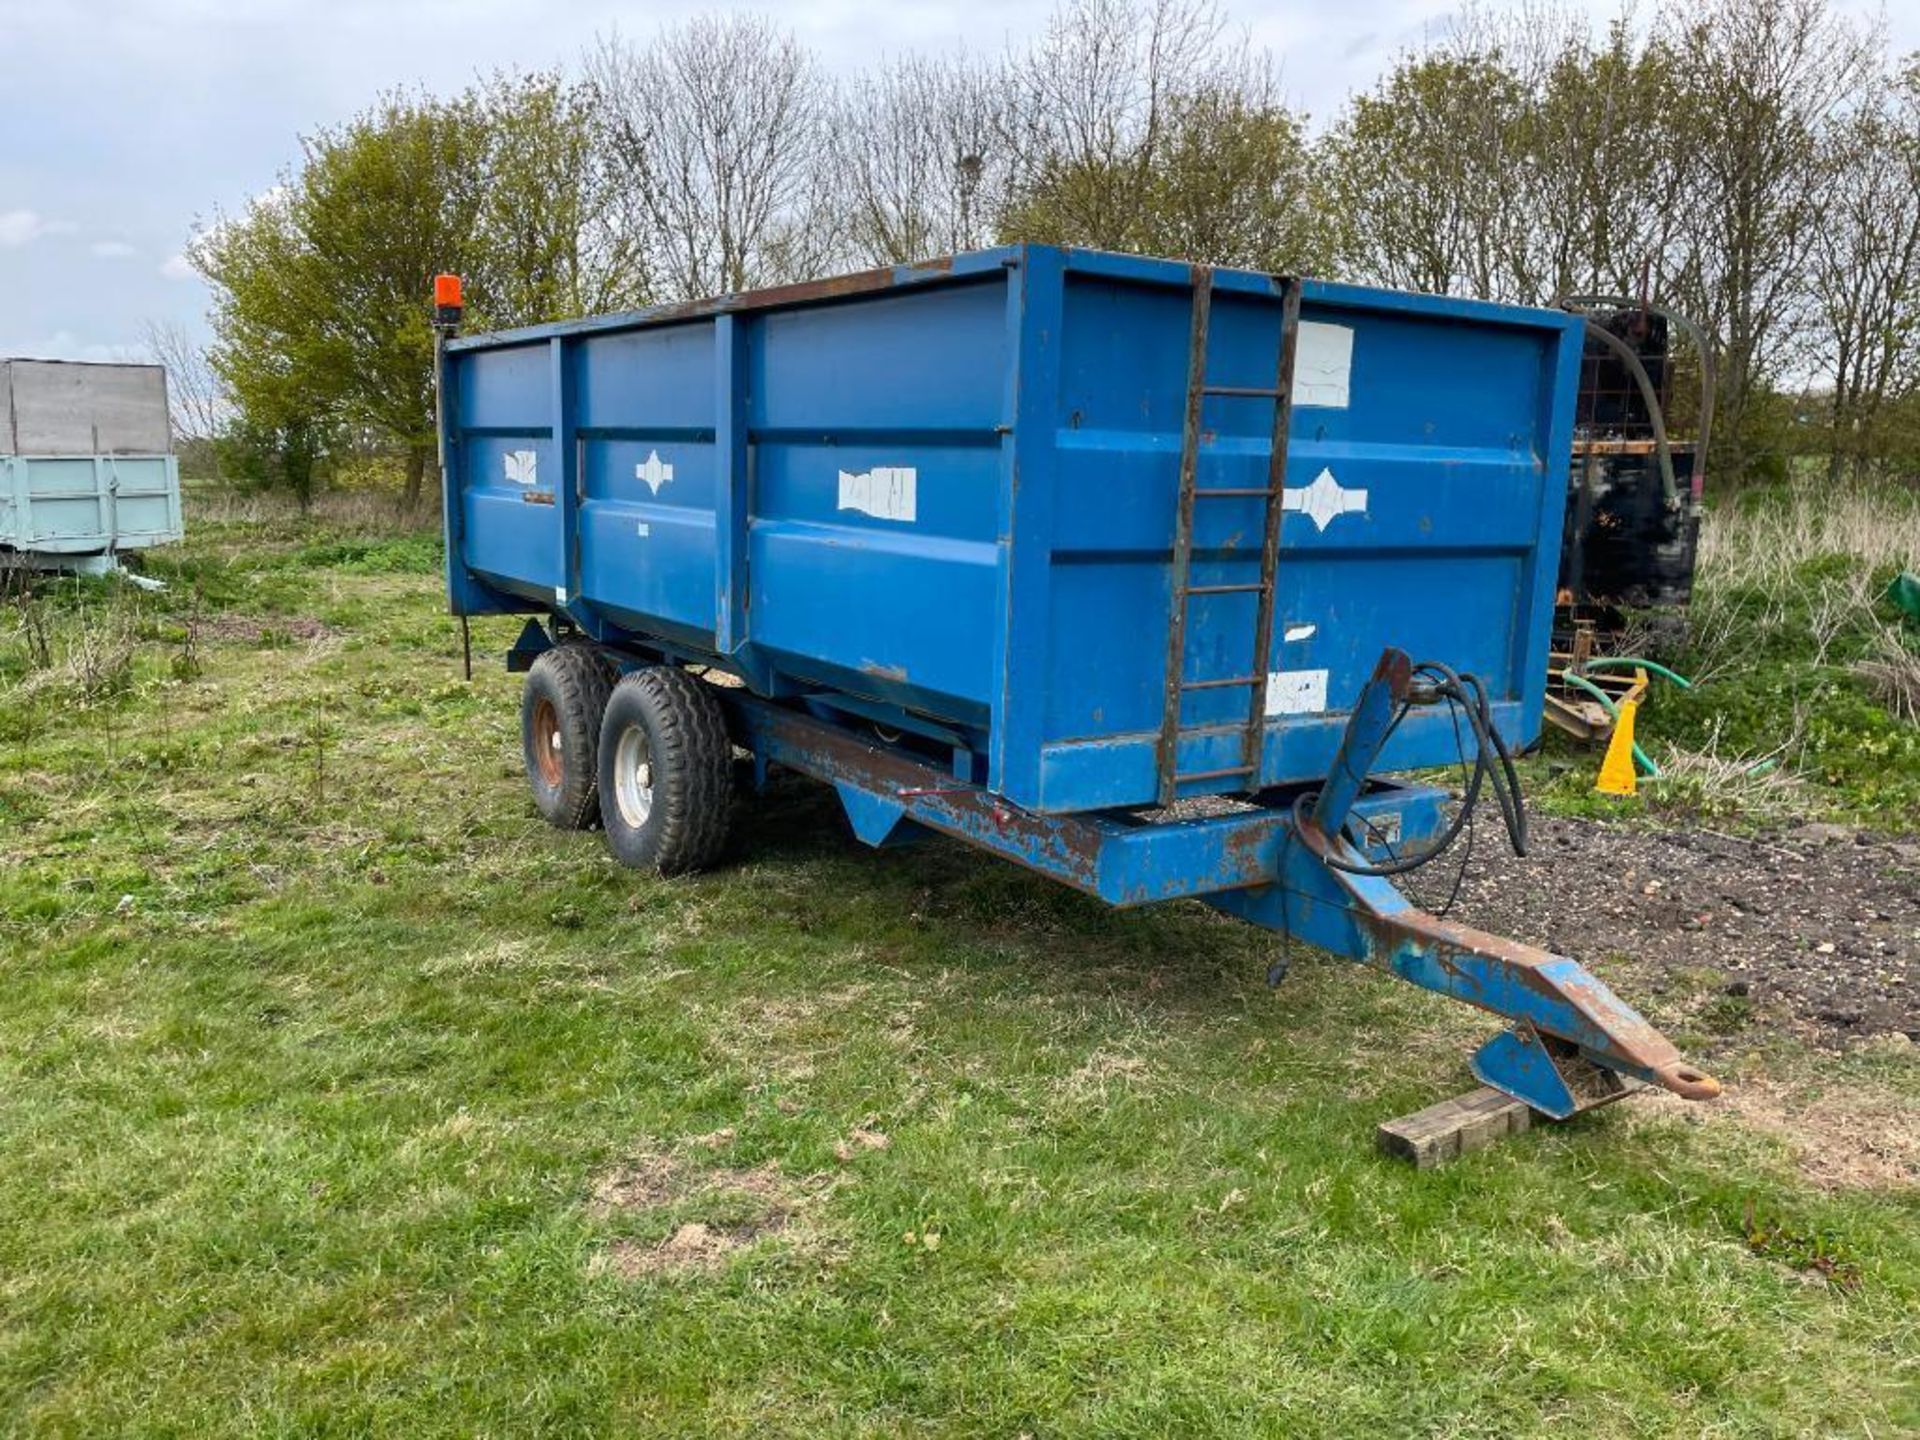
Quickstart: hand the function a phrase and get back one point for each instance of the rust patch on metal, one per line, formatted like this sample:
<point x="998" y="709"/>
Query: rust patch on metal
<point x="536" y="497"/>
<point x="961" y="810"/>
<point x="1395" y="670"/>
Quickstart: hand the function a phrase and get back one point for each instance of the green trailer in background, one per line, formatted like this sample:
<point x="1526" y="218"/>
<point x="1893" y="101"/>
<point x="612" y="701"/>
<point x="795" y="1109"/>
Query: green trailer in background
<point x="87" y="472"/>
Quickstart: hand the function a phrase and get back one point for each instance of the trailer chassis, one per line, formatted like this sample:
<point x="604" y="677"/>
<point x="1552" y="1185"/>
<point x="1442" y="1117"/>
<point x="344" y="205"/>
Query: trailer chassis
<point x="1276" y="862"/>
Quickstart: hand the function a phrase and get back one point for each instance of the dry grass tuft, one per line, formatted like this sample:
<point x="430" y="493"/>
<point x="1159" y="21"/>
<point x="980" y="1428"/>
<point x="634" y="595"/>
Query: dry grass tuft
<point x="348" y="511"/>
<point x="736" y="1207"/>
<point x="1893" y="674"/>
<point x="86" y="661"/>
<point x="1766" y="545"/>
<point x="1843" y="1137"/>
<point x="1706" y="782"/>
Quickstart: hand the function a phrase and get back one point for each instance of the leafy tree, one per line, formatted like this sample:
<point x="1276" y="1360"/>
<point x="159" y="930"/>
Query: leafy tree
<point x="322" y="287"/>
<point x="288" y="454"/>
<point x="1422" y="172"/>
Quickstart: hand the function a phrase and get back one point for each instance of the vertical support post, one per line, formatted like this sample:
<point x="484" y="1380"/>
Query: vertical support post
<point x="732" y="484"/>
<point x="106" y="496"/>
<point x="22" y="469"/>
<point x="1036" y="317"/>
<point x="1367" y="730"/>
<point x="566" y="487"/>
<point x="176" y="521"/>
<point x="1541" y="580"/>
<point x="446" y="412"/>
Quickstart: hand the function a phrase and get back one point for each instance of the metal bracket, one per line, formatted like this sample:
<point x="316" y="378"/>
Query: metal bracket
<point x="532" y="642"/>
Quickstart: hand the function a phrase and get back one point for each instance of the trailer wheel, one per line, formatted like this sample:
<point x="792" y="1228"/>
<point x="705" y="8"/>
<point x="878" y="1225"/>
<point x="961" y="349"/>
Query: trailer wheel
<point x="666" y="772"/>
<point x="560" y="713"/>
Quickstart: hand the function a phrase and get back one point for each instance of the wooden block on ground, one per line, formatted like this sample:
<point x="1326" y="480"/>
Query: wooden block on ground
<point x="1453" y="1128"/>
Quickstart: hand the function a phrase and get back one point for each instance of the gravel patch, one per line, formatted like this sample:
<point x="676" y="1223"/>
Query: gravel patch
<point x="1816" y="928"/>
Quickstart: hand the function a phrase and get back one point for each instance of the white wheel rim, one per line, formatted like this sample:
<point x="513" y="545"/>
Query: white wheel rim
<point x="633" y="777"/>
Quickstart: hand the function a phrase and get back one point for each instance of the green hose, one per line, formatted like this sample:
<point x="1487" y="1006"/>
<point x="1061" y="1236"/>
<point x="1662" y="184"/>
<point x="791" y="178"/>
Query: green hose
<point x="1622" y="662"/>
<point x="1644" y="760"/>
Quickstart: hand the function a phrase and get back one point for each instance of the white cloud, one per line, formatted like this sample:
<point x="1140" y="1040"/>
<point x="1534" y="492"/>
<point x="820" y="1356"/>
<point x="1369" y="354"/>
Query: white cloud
<point x="112" y="250"/>
<point x="177" y="267"/>
<point x="23" y="227"/>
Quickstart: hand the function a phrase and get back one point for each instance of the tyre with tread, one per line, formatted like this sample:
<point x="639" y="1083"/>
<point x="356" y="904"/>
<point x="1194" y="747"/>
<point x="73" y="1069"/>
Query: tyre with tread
<point x="666" y="772"/>
<point x="561" y="709"/>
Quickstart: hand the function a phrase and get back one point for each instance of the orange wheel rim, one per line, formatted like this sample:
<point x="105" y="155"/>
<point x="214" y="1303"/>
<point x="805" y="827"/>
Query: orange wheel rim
<point x="548" y="755"/>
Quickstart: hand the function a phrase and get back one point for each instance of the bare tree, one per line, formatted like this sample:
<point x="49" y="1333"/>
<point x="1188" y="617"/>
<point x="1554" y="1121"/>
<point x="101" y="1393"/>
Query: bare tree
<point x="195" y="400"/>
<point x="921" y="152"/>
<point x="1764" y="79"/>
<point x="718" y="126"/>
<point x="1865" y="269"/>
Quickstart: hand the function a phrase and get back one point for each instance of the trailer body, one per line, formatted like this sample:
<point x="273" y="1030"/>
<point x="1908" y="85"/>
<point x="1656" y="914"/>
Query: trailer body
<point x="86" y="467"/>
<point x="949" y="496"/>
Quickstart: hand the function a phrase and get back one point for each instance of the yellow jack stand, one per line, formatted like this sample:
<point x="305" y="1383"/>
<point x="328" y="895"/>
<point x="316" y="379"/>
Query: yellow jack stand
<point x="1617" y="774"/>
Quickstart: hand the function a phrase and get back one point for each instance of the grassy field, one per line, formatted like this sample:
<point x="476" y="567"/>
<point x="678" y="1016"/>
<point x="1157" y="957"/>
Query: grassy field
<point x="340" y="1096"/>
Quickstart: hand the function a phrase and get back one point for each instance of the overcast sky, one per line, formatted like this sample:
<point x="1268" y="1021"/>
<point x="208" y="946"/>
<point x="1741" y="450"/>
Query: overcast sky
<point x="122" y="123"/>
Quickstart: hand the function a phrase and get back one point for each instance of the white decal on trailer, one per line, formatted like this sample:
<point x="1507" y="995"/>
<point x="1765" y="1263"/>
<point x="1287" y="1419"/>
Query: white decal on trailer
<point x="654" y="472"/>
<point x="1322" y="364"/>
<point x="1300" y="632"/>
<point x="1325" y="500"/>
<point x="523" y="466"/>
<point x="886" y="492"/>
<point x="1296" y="692"/>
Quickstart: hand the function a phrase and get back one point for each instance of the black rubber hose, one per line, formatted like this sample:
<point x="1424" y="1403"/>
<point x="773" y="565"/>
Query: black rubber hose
<point x="1492" y="762"/>
<point x="1662" y="451"/>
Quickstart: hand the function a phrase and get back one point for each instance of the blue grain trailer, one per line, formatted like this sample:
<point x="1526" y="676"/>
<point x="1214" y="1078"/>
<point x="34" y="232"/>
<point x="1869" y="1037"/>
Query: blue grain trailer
<point x="1111" y="566"/>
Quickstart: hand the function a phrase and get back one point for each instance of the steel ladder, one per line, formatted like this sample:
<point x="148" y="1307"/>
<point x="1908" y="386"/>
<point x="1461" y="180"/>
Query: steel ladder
<point x="1273" y="502"/>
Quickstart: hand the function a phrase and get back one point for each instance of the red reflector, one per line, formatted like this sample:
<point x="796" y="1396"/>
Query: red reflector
<point x="446" y="290"/>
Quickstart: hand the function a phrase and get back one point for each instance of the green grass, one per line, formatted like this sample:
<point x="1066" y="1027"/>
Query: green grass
<point x="317" y="1049"/>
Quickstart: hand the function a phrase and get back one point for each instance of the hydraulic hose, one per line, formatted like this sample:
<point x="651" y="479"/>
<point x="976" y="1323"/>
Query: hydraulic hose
<point x="1662" y="451"/>
<point x="1622" y="662"/>
<point x="1698" y="335"/>
<point x="1580" y="682"/>
<point x="1465" y="694"/>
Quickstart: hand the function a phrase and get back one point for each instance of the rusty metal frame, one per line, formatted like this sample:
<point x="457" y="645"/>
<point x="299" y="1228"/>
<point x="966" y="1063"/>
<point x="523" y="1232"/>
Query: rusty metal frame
<point x="892" y="794"/>
<point x="1168" y="754"/>
<point x="1276" y="512"/>
<point x="1181" y="590"/>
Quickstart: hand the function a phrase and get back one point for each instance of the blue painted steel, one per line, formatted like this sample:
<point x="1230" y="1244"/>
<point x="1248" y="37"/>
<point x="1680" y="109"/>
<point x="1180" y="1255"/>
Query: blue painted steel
<point x="1365" y="918"/>
<point x="728" y="481"/>
<point x="1518" y="1063"/>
